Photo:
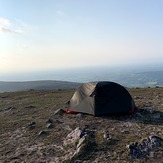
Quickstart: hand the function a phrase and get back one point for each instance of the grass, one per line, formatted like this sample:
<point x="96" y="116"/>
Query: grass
<point x="18" y="143"/>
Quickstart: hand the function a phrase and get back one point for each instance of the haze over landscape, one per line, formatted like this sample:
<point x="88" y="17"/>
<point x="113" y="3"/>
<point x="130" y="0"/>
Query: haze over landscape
<point x="79" y="40"/>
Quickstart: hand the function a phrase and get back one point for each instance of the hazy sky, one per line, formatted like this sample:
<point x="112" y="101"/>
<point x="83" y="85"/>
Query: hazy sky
<point x="49" y="34"/>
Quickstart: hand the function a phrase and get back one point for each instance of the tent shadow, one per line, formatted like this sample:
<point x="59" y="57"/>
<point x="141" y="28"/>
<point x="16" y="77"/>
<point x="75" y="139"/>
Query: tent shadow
<point x="140" y="116"/>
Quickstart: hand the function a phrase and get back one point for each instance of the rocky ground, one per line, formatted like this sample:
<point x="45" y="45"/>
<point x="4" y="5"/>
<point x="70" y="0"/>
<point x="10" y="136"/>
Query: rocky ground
<point x="33" y="129"/>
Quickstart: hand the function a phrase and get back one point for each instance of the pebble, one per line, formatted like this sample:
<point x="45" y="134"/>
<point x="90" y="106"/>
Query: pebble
<point x="31" y="125"/>
<point x="138" y="97"/>
<point x="67" y="127"/>
<point x="49" y="121"/>
<point x="58" y="112"/>
<point x="29" y="107"/>
<point x="9" y="108"/>
<point x="149" y="109"/>
<point x="50" y="125"/>
<point x="79" y="115"/>
<point x="78" y="161"/>
<point x="42" y="133"/>
<point x="106" y="135"/>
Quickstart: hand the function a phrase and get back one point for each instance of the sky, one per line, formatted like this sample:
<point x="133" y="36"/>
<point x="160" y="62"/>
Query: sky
<point x="53" y="34"/>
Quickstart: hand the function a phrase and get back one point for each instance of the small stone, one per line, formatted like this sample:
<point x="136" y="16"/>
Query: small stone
<point x="153" y="137"/>
<point x="81" y="141"/>
<point x="67" y="127"/>
<point x="42" y="133"/>
<point x="78" y="161"/>
<point x="9" y="108"/>
<point x="74" y="136"/>
<point x="151" y="110"/>
<point x="31" y="125"/>
<point x="79" y="115"/>
<point x="29" y="106"/>
<point x="58" y="112"/>
<point x="49" y="125"/>
<point x="49" y="121"/>
<point x="88" y="133"/>
<point x="58" y="121"/>
<point x="138" y="97"/>
<point x="107" y="135"/>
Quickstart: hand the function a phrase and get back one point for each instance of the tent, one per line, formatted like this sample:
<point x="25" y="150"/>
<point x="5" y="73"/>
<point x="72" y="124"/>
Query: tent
<point x="101" y="98"/>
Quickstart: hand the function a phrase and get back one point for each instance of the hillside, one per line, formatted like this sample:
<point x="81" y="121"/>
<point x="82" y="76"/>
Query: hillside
<point x="26" y="134"/>
<point x="36" y="85"/>
<point x="57" y="80"/>
<point x="144" y="79"/>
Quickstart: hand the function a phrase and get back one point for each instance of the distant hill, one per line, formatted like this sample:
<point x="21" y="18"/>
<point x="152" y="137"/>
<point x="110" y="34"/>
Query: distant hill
<point x="128" y="79"/>
<point x="36" y="85"/>
<point x="143" y="79"/>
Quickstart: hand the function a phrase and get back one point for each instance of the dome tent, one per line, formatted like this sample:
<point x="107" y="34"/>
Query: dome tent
<point x="101" y="98"/>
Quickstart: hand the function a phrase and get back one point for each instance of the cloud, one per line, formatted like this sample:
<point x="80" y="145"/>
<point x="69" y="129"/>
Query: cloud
<point x="6" y="26"/>
<point x="4" y="29"/>
<point x="60" y="13"/>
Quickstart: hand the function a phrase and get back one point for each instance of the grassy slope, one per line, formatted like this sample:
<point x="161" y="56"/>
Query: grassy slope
<point x="17" y="143"/>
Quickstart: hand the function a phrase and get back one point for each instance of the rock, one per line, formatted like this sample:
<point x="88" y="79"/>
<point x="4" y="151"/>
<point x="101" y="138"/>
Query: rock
<point x="74" y="136"/>
<point x="49" y="121"/>
<point x="82" y="147"/>
<point x="31" y="125"/>
<point x="125" y="131"/>
<point x="78" y="161"/>
<point x="138" y="97"/>
<point x="81" y="141"/>
<point x="149" y="109"/>
<point x="144" y="148"/>
<point x="8" y="109"/>
<point x="106" y="135"/>
<point x="29" y="106"/>
<point x="43" y="133"/>
<point x="58" y="121"/>
<point x="155" y="141"/>
<point x="67" y="127"/>
<point x="85" y="144"/>
<point x="79" y="115"/>
<point x="88" y="133"/>
<point x="50" y="125"/>
<point x="58" y="112"/>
